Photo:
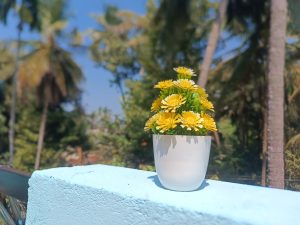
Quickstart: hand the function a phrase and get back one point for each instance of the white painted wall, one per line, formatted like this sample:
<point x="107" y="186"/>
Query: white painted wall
<point x="98" y="194"/>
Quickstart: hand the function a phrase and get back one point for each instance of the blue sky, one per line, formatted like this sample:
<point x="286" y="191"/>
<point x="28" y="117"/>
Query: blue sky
<point x="97" y="91"/>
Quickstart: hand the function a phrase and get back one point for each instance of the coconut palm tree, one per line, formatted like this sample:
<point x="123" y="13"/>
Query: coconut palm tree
<point x="27" y="13"/>
<point x="275" y="105"/>
<point x="49" y="70"/>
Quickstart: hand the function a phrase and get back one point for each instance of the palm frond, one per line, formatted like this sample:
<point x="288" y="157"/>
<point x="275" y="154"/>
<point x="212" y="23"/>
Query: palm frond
<point x="52" y="66"/>
<point x="7" y="63"/>
<point x="5" y="7"/>
<point x="33" y="68"/>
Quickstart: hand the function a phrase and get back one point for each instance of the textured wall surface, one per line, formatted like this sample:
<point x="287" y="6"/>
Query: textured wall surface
<point x="98" y="194"/>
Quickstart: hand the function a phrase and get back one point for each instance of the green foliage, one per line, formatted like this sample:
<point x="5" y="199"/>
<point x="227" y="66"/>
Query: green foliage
<point x="292" y="117"/>
<point x="3" y="128"/>
<point x="292" y="160"/>
<point x="140" y="147"/>
<point x="224" y="160"/>
<point x="294" y="6"/>
<point x="27" y="11"/>
<point x="26" y="139"/>
<point x="115" y="42"/>
<point x="108" y="135"/>
<point x="3" y="135"/>
<point x="5" y="6"/>
<point x="64" y="130"/>
<point x="7" y="63"/>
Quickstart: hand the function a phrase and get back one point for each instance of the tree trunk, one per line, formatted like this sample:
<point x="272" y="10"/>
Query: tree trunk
<point x="275" y="106"/>
<point x="122" y="92"/>
<point x="41" y="135"/>
<point x="210" y="50"/>
<point x="264" y="152"/>
<point x="212" y="43"/>
<point x="12" y="116"/>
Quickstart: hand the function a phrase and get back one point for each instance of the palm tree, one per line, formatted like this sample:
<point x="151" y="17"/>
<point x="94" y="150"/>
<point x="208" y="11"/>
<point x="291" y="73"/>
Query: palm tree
<point x="242" y="74"/>
<point x="275" y="106"/>
<point x="212" y="43"/>
<point x="27" y="12"/>
<point x="49" y="70"/>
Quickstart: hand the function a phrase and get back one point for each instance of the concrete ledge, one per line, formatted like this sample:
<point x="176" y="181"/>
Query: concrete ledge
<point x="108" y="195"/>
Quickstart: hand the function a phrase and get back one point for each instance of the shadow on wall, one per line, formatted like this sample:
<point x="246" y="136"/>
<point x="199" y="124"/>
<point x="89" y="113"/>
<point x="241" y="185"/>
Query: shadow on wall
<point x="156" y="181"/>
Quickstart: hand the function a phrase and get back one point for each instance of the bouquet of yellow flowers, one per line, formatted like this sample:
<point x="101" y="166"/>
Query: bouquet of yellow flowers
<point x="182" y="107"/>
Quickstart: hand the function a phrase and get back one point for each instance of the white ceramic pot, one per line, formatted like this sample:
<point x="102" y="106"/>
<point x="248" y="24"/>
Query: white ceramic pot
<point x="181" y="161"/>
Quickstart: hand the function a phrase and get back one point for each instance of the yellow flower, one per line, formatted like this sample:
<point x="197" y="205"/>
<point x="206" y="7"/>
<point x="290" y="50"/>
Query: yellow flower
<point x="150" y="122"/>
<point x="156" y="105"/>
<point x="172" y="102"/>
<point x="191" y="120"/>
<point x="185" y="71"/>
<point x="206" y="104"/>
<point x="185" y="84"/>
<point x="164" y="84"/>
<point x="208" y="122"/>
<point x="167" y="121"/>
<point x="201" y="92"/>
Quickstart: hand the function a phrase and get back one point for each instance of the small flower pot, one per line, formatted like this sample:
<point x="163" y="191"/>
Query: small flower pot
<point x="181" y="161"/>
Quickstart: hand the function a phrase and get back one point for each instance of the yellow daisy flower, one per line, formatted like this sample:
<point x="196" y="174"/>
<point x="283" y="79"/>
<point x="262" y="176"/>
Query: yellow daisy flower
<point x="150" y="122"/>
<point x="164" y="84"/>
<point x="191" y="120"/>
<point x="208" y="122"/>
<point x="172" y="102"/>
<point x="201" y="92"/>
<point x="156" y="105"/>
<point x="185" y="84"/>
<point x="206" y="104"/>
<point x="185" y="71"/>
<point x="167" y="121"/>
